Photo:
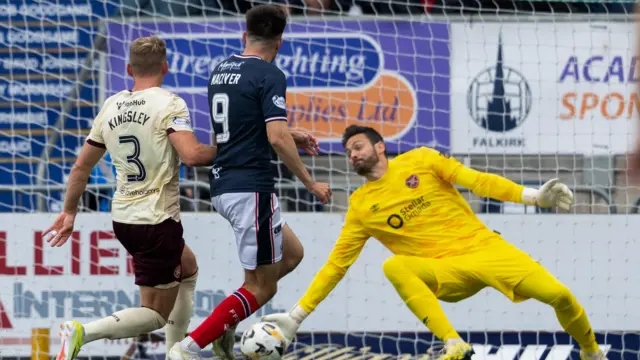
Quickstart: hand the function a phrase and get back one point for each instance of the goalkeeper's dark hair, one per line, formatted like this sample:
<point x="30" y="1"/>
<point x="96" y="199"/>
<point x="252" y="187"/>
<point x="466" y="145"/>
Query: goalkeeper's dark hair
<point x="266" y="23"/>
<point x="371" y="134"/>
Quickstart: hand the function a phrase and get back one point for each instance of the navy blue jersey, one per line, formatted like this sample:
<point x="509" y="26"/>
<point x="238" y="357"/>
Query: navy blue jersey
<point x="245" y="93"/>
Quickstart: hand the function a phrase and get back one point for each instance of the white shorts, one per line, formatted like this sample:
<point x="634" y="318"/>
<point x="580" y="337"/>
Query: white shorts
<point x="255" y="218"/>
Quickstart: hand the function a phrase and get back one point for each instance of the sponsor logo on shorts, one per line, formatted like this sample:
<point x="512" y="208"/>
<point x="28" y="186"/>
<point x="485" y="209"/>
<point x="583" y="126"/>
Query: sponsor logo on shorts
<point x="412" y="181"/>
<point x="277" y="229"/>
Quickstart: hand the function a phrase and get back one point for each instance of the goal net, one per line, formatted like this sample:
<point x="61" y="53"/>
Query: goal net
<point x="531" y="90"/>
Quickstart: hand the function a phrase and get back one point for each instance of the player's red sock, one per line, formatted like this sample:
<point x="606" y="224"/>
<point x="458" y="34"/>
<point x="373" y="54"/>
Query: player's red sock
<point x="235" y="308"/>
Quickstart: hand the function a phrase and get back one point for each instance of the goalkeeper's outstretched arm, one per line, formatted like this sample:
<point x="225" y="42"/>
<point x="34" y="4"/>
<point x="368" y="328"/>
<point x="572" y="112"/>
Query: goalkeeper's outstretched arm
<point x="552" y="193"/>
<point x="344" y="253"/>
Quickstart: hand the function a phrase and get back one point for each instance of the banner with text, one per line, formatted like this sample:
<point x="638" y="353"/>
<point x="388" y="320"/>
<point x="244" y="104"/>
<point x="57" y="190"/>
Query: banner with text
<point x="488" y="345"/>
<point x="543" y="87"/>
<point x="91" y="277"/>
<point x="41" y="56"/>
<point x="337" y="74"/>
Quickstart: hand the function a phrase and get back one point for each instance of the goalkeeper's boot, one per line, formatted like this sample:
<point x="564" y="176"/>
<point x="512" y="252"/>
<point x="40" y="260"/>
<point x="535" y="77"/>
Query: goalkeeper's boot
<point x="178" y="353"/>
<point x="457" y="350"/>
<point x="223" y="346"/>
<point x="598" y="355"/>
<point x="71" y="333"/>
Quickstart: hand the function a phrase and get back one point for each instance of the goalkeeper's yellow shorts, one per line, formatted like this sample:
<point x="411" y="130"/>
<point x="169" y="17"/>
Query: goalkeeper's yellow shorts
<point x="499" y="265"/>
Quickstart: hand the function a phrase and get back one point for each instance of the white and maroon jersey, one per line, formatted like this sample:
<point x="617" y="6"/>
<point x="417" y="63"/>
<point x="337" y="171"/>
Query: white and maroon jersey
<point x="134" y="127"/>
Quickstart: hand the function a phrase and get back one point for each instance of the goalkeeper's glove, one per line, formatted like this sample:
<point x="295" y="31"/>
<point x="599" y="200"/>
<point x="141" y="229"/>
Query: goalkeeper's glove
<point x="288" y="322"/>
<point x="552" y="194"/>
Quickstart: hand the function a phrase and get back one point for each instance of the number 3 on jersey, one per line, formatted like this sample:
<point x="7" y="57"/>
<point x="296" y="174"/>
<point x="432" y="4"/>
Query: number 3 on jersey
<point x="220" y="115"/>
<point x="134" y="158"/>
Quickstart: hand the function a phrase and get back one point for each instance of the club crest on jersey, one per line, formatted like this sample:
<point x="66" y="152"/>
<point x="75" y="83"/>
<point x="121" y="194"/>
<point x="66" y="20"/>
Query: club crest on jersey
<point x="279" y="101"/>
<point x="412" y="181"/>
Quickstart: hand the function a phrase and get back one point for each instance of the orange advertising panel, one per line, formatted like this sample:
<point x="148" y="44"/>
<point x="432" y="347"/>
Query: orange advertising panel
<point x="389" y="106"/>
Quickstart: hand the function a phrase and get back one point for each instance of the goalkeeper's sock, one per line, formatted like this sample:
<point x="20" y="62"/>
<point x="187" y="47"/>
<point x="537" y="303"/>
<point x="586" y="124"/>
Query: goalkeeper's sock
<point x="235" y="308"/>
<point x="573" y="319"/>
<point x="418" y="296"/>
<point x="178" y="322"/>
<point x="123" y="324"/>
<point x="453" y="342"/>
<point x="544" y="287"/>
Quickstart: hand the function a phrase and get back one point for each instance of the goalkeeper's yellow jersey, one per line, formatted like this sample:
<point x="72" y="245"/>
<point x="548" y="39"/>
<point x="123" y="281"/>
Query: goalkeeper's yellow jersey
<point x="413" y="209"/>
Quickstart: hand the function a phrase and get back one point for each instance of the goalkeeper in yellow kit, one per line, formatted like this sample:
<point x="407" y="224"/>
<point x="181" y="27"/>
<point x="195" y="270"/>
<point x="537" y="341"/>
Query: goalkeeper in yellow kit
<point x="442" y="251"/>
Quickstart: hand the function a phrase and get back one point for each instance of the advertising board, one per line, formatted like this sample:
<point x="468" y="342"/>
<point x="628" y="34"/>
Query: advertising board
<point x="90" y="277"/>
<point x="543" y="87"/>
<point x="42" y="53"/>
<point x="338" y="73"/>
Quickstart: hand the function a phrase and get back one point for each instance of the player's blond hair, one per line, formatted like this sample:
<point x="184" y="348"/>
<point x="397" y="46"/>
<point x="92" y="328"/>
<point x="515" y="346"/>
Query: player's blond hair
<point x="147" y="55"/>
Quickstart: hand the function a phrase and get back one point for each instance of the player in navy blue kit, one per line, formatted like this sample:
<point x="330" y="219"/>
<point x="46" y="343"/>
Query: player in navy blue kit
<point x="248" y="112"/>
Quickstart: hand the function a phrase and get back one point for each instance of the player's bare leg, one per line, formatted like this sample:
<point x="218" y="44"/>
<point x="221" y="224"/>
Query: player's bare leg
<point x="546" y="288"/>
<point x="262" y="282"/>
<point x="417" y="284"/>
<point x="292" y="251"/>
<point x="260" y="286"/>
<point x="178" y="321"/>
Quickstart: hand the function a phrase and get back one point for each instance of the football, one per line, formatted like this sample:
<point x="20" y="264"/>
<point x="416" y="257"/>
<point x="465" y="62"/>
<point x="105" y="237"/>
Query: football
<point x="263" y="341"/>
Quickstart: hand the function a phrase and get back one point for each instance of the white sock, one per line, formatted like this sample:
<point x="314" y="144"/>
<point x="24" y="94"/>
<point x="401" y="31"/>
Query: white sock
<point x="178" y="323"/>
<point x="123" y="324"/>
<point x="453" y="341"/>
<point x="190" y="345"/>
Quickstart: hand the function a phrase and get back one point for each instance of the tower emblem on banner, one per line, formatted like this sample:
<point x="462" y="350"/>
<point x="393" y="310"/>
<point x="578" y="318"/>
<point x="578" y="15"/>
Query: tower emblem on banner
<point x="499" y="98"/>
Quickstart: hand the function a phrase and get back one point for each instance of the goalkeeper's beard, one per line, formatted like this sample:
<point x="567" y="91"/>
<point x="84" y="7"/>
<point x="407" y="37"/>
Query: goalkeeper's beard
<point x="364" y="168"/>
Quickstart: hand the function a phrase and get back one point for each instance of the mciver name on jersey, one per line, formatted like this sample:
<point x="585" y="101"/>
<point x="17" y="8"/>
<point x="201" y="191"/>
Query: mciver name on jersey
<point x="225" y="78"/>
